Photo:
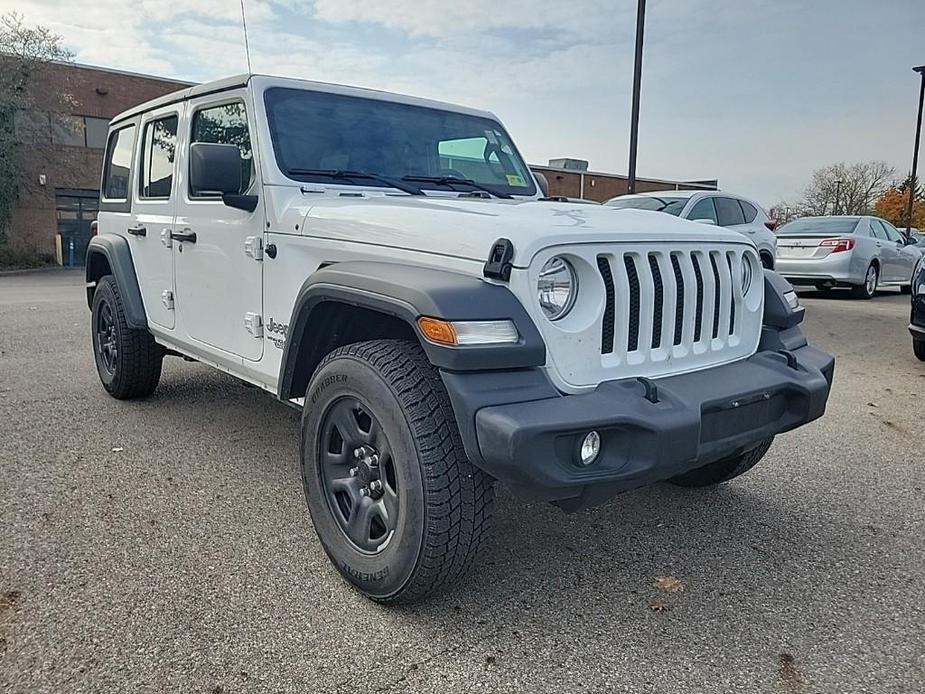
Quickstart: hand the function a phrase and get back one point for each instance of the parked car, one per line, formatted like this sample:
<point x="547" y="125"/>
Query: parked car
<point x="917" y="317"/>
<point x="391" y="272"/>
<point x="861" y="252"/>
<point x="710" y="207"/>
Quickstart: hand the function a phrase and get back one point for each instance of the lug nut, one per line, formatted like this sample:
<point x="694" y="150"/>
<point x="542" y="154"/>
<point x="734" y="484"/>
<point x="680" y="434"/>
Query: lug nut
<point x="375" y="486"/>
<point x="364" y="491"/>
<point x="353" y="472"/>
<point x="358" y="452"/>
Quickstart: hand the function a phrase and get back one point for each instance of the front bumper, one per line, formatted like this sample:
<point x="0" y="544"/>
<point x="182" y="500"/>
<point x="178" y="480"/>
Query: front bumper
<point x="532" y="442"/>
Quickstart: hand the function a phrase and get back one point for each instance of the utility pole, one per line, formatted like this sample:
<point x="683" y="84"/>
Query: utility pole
<point x="637" y="80"/>
<point x="915" y="150"/>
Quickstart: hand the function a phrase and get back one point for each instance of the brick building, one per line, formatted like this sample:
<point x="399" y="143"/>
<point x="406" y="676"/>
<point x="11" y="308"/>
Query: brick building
<point x="59" y="176"/>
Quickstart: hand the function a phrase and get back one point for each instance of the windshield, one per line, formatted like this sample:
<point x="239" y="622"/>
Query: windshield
<point x="658" y="204"/>
<point x="316" y="134"/>
<point x="824" y="226"/>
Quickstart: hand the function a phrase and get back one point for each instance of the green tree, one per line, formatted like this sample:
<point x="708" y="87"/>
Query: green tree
<point x="26" y="51"/>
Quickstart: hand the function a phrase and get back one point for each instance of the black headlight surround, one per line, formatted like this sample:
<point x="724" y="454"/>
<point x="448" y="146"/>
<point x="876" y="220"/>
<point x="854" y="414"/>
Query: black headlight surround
<point x="778" y="313"/>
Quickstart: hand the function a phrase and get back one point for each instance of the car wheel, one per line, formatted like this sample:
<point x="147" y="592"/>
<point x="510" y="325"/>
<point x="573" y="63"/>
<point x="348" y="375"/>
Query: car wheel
<point x="725" y="469"/>
<point x="128" y="360"/>
<point x="398" y="507"/>
<point x="869" y="288"/>
<point x="918" y="348"/>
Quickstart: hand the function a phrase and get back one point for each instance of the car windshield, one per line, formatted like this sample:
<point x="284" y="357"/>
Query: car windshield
<point x="658" y="204"/>
<point x="823" y="226"/>
<point x="323" y="137"/>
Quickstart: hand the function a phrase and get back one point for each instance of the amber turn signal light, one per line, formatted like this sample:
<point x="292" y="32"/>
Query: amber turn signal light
<point x="439" y="331"/>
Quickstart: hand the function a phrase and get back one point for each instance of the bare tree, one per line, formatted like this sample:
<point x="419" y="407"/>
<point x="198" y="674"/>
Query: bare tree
<point x="847" y="188"/>
<point x="25" y="53"/>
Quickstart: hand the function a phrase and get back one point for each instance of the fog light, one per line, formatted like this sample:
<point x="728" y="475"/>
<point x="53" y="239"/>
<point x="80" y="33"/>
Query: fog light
<point x="590" y="447"/>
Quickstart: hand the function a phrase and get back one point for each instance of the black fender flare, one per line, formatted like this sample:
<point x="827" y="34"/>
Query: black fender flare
<point x="118" y="255"/>
<point x="407" y="292"/>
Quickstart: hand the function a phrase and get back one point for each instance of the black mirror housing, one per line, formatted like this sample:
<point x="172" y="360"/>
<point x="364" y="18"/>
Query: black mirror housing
<point x="214" y="168"/>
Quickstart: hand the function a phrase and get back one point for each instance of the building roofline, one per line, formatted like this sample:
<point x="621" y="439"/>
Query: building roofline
<point x="126" y="73"/>
<point x="699" y="184"/>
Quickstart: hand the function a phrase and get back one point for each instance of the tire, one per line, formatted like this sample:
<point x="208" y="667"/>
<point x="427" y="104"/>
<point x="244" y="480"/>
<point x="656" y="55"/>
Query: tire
<point x="725" y="469"/>
<point x="918" y="348"/>
<point x="422" y="527"/>
<point x="128" y="360"/>
<point x="822" y="287"/>
<point x="869" y="288"/>
<point x="767" y="261"/>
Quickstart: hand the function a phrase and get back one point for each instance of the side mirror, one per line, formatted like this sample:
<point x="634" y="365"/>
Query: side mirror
<point x="542" y="183"/>
<point x="214" y="168"/>
<point x="705" y="221"/>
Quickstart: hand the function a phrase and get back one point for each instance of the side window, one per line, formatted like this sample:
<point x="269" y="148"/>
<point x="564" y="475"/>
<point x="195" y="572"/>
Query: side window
<point x="704" y="209"/>
<point x="892" y="233"/>
<point x="729" y="212"/>
<point x="118" y="167"/>
<point x="749" y="210"/>
<point x="877" y="228"/>
<point x="158" y="150"/>
<point x="227" y="125"/>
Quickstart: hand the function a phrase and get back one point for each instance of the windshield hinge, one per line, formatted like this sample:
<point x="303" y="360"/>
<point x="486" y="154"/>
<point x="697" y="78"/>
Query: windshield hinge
<point x="500" y="260"/>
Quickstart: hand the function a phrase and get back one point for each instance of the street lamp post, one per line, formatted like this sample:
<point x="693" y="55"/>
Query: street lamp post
<point x="915" y="150"/>
<point x="637" y="80"/>
<point x="837" y="191"/>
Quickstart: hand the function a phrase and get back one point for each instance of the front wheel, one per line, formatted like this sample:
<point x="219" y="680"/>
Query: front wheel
<point x="398" y="507"/>
<point x="869" y="288"/>
<point x="725" y="469"/>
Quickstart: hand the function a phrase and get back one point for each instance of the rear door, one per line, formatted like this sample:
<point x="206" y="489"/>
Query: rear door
<point x="218" y="271"/>
<point x="729" y="213"/>
<point x="154" y="206"/>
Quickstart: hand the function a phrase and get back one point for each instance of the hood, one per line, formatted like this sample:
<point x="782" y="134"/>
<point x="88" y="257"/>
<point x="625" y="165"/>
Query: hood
<point x="467" y="227"/>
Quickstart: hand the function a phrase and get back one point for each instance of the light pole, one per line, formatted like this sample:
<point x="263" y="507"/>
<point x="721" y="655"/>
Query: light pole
<point x="637" y="79"/>
<point x="838" y="183"/>
<point x="915" y="150"/>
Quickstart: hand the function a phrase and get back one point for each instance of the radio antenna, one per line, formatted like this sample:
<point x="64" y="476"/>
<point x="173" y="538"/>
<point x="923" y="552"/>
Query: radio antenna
<point x="247" y="50"/>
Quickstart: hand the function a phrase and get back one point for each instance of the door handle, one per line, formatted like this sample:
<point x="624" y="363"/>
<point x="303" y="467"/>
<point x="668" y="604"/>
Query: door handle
<point x="185" y="235"/>
<point x="138" y="230"/>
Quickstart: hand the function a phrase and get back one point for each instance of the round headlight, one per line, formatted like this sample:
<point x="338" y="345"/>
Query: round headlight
<point x="746" y="275"/>
<point x="557" y="288"/>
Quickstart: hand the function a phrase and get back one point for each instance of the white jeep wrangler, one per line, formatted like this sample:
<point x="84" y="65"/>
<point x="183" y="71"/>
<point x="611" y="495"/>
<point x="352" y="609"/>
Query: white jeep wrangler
<point x="388" y="265"/>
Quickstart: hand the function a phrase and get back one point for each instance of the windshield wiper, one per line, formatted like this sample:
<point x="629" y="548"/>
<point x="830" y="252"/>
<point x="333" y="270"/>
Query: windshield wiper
<point x="452" y="180"/>
<point x="345" y="173"/>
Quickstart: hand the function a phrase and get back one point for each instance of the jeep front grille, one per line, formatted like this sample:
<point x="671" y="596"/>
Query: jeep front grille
<point x="672" y="301"/>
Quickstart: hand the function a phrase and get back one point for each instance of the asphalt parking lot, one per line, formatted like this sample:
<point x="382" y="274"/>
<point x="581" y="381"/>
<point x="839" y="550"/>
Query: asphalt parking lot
<point x="163" y="545"/>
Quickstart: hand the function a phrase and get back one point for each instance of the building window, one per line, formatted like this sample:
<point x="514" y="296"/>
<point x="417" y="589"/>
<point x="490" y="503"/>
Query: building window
<point x="68" y="130"/>
<point x="97" y="129"/>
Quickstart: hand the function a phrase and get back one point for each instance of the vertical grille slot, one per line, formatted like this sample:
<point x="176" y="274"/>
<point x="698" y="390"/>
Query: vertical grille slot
<point x="716" y="297"/>
<point x="698" y="313"/>
<point x="603" y="266"/>
<point x="659" y="298"/>
<point x="732" y="304"/>
<point x="632" y="340"/>
<point x="679" y="303"/>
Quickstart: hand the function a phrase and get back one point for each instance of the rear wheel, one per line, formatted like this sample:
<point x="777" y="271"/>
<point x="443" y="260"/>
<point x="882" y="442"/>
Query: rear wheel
<point x="128" y="360"/>
<point x="869" y="288"/>
<point x="725" y="469"/>
<point x="398" y="507"/>
<point x="918" y="348"/>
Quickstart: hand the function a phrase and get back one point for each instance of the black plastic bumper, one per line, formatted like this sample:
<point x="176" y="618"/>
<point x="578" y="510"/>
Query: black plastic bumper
<point x="531" y="442"/>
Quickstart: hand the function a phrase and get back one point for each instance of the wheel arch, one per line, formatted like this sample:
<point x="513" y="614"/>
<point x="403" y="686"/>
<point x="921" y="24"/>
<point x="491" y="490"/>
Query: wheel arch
<point x="111" y="255"/>
<point x="354" y="301"/>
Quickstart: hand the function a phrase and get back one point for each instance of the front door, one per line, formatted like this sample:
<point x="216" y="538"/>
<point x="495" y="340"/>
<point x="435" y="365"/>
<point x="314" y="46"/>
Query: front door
<point x="154" y="205"/>
<point x="218" y="266"/>
<point x="75" y="210"/>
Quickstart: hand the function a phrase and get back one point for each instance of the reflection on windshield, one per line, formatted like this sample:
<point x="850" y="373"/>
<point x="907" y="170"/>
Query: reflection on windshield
<point x="318" y="132"/>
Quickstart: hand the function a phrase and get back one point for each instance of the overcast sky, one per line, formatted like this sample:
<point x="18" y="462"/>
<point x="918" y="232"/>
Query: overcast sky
<point x="756" y="93"/>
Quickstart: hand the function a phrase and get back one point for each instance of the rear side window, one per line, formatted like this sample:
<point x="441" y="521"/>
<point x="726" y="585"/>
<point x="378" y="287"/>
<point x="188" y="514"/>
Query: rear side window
<point x="704" y="209"/>
<point x="158" y="150"/>
<point x="877" y="228"/>
<point x="226" y="125"/>
<point x="728" y="212"/>
<point x="749" y="210"/>
<point x="118" y="167"/>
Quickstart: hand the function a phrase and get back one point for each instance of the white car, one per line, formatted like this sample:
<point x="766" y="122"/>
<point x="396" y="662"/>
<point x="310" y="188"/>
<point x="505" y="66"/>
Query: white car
<point x="710" y="207"/>
<point x="386" y="265"/>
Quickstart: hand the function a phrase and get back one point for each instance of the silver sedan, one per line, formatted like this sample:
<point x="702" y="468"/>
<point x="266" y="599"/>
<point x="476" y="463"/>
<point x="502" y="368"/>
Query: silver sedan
<point x="860" y="252"/>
